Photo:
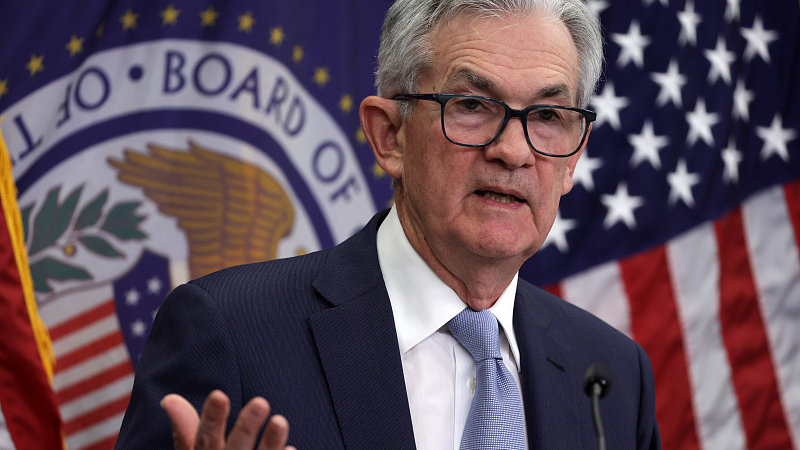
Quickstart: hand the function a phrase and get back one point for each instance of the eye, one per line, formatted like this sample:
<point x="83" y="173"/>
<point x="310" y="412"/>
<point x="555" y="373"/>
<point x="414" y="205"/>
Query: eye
<point x="469" y="104"/>
<point x="546" y="115"/>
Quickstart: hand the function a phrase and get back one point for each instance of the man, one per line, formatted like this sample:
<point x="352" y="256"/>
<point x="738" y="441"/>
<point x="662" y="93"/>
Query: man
<point x="356" y="346"/>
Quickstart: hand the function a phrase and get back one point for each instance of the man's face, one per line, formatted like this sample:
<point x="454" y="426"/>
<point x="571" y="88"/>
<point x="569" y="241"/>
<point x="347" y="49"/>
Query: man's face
<point x="497" y="201"/>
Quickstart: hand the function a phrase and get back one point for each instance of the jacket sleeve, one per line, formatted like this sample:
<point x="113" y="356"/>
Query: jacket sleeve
<point x="647" y="434"/>
<point x="188" y="352"/>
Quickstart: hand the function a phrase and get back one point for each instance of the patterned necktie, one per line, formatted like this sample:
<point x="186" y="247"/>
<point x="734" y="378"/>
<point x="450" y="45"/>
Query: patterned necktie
<point x="495" y="419"/>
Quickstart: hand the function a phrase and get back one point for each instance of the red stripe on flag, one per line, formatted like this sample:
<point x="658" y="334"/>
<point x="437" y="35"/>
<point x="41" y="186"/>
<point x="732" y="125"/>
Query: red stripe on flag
<point x="96" y="415"/>
<point x="554" y="289"/>
<point x="76" y="323"/>
<point x="656" y="326"/>
<point x="105" y="444"/>
<point x="94" y="382"/>
<point x="792" y="193"/>
<point x="746" y="340"/>
<point x="89" y="351"/>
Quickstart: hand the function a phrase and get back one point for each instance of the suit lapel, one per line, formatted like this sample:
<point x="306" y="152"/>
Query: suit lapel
<point x="547" y="387"/>
<point x="358" y="348"/>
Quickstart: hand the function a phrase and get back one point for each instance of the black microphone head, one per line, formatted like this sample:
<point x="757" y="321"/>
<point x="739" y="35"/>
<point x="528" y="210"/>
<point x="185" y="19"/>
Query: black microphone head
<point x="600" y="374"/>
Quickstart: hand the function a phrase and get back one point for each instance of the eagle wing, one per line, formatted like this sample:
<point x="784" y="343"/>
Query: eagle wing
<point x="231" y="211"/>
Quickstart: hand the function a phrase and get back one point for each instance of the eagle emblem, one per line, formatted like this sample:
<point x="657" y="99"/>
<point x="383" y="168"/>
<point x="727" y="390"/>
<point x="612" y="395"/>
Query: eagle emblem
<point x="232" y="212"/>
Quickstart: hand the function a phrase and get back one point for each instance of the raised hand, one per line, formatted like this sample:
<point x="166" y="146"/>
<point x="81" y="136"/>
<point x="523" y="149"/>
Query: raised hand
<point x="207" y="431"/>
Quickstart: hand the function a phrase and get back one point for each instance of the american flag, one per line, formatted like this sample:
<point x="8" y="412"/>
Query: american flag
<point x="94" y="331"/>
<point x="682" y="229"/>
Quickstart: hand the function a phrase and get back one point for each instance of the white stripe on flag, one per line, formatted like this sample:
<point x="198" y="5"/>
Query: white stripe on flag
<point x="694" y="268"/>
<point x="88" y="436"/>
<point x="600" y="291"/>
<point x="85" y="335"/>
<point x="776" y="267"/>
<point x="69" y="305"/>
<point x="92" y="366"/>
<point x="97" y="398"/>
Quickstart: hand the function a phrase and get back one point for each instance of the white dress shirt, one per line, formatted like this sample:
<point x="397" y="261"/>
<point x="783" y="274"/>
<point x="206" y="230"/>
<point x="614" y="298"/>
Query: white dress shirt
<point x="439" y="372"/>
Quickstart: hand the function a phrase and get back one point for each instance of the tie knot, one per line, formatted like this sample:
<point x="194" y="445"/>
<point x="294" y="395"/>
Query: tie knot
<point x="478" y="332"/>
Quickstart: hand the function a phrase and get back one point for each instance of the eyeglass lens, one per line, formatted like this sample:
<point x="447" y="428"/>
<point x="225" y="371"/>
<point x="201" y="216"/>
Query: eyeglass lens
<point x="476" y="122"/>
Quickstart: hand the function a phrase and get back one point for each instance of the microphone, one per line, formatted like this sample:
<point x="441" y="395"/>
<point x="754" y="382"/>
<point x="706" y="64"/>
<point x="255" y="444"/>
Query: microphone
<point x="596" y="384"/>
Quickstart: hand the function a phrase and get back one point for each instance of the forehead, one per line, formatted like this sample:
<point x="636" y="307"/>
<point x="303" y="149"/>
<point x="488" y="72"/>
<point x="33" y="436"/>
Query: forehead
<point x="522" y="57"/>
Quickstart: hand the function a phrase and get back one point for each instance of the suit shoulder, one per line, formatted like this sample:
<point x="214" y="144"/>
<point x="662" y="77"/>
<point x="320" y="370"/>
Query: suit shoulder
<point x="293" y="271"/>
<point x="582" y="324"/>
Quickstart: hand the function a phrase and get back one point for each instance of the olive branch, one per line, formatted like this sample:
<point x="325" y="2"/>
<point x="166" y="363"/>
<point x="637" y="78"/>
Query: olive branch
<point x="56" y="225"/>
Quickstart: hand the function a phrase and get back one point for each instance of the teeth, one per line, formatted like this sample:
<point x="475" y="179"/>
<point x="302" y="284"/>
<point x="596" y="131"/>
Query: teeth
<point x="502" y="198"/>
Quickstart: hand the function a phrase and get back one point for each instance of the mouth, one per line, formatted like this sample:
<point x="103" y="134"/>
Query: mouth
<point x="499" y="196"/>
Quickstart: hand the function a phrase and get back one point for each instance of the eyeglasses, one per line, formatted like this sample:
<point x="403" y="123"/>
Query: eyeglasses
<point x="473" y="121"/>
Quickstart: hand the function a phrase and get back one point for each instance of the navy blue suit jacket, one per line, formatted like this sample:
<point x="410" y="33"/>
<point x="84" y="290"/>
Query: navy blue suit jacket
<point x="315" y="336"/>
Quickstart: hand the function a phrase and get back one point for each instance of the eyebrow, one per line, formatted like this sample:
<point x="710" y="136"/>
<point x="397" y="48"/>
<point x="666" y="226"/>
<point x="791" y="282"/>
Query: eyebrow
<point x="560" y="91"/>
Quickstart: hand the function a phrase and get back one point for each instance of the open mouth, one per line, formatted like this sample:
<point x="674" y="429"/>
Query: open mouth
<point x="498" y="197"/>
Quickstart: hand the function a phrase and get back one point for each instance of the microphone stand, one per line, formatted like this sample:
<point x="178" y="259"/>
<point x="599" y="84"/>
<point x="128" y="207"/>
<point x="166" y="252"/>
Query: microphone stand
<point x="596" y="384"/>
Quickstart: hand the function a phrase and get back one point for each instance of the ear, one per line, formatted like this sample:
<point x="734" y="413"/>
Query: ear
<point x="571" y="163"/>
<point x="383" y="127"/>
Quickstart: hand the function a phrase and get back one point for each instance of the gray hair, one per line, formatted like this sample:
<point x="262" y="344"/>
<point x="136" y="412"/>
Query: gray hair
<point x="405" y="49"/>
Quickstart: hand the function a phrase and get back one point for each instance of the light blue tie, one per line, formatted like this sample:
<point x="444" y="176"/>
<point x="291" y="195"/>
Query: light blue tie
<point x="495" y="420"/>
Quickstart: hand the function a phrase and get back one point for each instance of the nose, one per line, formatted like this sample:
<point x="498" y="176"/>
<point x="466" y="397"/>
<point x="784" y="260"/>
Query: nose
<point x="511" y="148"/>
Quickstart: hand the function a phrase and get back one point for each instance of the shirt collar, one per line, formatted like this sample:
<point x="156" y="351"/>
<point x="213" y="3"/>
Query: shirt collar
<point x="421" y="302"/>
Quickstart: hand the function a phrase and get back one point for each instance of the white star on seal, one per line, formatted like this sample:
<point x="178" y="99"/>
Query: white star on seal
<point x="132" y="297"/>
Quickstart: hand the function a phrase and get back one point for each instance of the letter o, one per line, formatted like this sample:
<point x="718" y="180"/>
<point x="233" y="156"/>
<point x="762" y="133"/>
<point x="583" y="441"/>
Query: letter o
<point x="226" y="74"/>
<point x="104" y="89"/>
<point x="322" y="161"/>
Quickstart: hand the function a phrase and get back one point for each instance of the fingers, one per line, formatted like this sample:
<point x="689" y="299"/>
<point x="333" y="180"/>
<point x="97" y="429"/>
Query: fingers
<point x="184" y="420"/>
<point x="276" y="434"/>
<point x="251" y="418"/>
<point x="207" y="432"/>
<point x="211" y="430"/>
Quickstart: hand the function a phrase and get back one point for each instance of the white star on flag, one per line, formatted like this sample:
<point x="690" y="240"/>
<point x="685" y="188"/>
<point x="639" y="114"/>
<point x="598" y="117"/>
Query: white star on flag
<point x="720" y="59"/>
<point x="776" y="139"/>
<point x="731" y="157"/>
<point x="758" y="40"/>
<point x="700" y="123"/>
<point x="681" y="183"/>
<point x="584" y="170"/>
<point x="597" y="6"/>
<point x="741" y="101"/>
<point x="670" y="83"/>
<point x="558" y="233"/>
<point x="732" y="10"/>
<point x="620" y="207"/>
<point x="632" y="45"/>
<point x="689" y="21"/>
<point x="607" y="105"/>
<point x="646" y="146"/>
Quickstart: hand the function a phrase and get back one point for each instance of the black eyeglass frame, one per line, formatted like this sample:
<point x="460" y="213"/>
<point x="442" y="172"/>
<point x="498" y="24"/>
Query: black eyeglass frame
<point x="521" y="114"/>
